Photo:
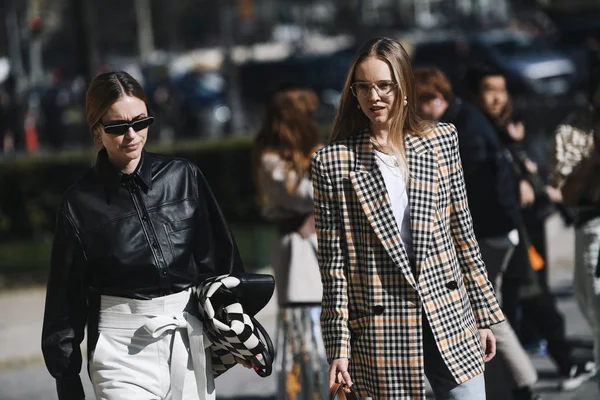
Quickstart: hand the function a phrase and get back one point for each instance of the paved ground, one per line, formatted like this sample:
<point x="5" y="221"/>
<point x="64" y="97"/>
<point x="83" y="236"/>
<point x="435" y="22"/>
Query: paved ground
<point x="23" y="375"/>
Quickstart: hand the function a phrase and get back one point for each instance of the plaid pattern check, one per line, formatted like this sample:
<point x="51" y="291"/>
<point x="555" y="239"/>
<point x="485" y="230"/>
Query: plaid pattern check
<point x="373" y="301"/>
<point x="231" y="331"/>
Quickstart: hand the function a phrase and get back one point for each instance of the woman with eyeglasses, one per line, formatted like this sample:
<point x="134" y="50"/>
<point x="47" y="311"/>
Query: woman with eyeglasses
<point x="405" y="291"/>
<point x="132" y="237"/>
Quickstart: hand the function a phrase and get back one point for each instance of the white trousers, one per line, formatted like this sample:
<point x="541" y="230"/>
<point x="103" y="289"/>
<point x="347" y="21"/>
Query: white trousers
<point x="151" y="349"/>
<point x="586" y="284"/>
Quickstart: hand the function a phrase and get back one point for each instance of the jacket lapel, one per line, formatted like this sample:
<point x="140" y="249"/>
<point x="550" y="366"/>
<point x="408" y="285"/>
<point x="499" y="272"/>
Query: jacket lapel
<point x="370" y="188"/>
<point x="422" y="192"/>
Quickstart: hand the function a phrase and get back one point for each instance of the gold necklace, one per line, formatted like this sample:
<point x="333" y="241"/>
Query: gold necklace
<point x="396" y="163"/>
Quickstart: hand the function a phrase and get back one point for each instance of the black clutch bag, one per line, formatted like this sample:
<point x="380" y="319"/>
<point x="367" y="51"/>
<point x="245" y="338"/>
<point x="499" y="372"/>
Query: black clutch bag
<point x="227" y="306"/>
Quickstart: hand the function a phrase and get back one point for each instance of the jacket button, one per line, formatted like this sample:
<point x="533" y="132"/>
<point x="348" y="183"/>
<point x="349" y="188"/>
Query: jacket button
<point x="452" y="285"/>
<point x="163" y="272"/>
<point x="155" y="245"/>
<point x="144" y="217"/>
<point x="378" y="310"/>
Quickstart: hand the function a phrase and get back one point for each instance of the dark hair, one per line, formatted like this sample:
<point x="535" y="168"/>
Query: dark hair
<point x="290" y="131"/>
<point x="476" y="73"/>
<point x="105" y="90"/>
<point x="429" y="81"/>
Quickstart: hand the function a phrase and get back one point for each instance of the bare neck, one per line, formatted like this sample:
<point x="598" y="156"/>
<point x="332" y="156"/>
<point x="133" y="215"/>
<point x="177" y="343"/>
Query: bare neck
<point x="380" y="134"/>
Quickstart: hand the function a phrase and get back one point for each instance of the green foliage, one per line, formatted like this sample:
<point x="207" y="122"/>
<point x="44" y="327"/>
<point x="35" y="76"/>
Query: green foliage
<point x="24" y="263"/>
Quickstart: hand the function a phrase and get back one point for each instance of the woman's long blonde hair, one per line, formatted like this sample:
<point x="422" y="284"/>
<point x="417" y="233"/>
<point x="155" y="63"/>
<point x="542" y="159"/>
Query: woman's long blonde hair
<point x="290" y="131"/>
<point x="404" y="119"/>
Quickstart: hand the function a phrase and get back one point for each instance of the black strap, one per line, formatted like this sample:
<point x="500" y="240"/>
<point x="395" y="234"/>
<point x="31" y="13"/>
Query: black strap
<point x="264" y="367"/>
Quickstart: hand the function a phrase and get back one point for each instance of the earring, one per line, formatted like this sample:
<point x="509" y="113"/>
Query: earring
<point x="358" y="106"/>
<point x="405" y="101"/>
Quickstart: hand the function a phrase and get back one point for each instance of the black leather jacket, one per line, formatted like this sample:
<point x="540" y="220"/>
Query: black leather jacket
<point x="152" y="233"/>
<point x="492" y="189"/>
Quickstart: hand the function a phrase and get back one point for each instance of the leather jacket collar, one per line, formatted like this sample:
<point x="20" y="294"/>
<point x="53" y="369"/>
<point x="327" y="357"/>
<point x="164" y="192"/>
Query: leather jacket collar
<point x="113" y="178"/>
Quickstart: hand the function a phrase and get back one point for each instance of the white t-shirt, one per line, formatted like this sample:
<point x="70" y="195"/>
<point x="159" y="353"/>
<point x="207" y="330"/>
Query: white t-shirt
<point x="396" y="188"/>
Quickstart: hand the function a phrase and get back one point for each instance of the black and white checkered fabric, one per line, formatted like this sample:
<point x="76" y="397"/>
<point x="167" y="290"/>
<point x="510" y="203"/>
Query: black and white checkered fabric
<point x="374" y="302"/>
<point x="233" y="333"/>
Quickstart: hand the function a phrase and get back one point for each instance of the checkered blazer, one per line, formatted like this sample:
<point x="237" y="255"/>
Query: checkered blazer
<point x="372" y="303"/>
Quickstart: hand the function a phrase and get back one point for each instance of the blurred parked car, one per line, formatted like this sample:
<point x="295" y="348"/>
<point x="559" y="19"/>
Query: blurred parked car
<point x="532" y="68"/>
<point x="574" y="34"/>
<point x="204" y="104"/>
<point x="325" y="74"/>
<point x="191" y="105"/>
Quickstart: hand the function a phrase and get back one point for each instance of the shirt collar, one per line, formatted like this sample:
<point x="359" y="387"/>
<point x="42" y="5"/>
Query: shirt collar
<point x="113" y="178"/>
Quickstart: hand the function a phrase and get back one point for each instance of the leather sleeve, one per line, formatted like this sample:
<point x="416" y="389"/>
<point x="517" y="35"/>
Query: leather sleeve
<point x="65" y="312"/>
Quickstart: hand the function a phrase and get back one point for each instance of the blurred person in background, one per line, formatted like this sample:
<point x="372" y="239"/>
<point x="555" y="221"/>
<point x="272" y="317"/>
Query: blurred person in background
<point x="132" y="237"/>
<point x="512" y="133"/>
<point x="405" y="291"/>
<point x="575" y="169"/>
<point x="521" y="289"/>
<point x="492" y="200"/>
<point x="53" y="104"/>
<point x="11" y="118"/>
<point x="282" y="151"/>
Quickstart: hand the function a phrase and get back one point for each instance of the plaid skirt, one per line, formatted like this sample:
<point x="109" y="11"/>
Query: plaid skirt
<point x="300" y="363"/>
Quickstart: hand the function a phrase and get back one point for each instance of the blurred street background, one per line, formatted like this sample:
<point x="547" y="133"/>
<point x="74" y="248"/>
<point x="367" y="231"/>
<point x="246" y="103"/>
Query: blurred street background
<point x="208" y="67"/>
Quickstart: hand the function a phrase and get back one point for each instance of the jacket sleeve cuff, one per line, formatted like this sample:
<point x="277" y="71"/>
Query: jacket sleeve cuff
<point x="484" y="318"/>
<point x="340" y="349"/>
<point x="338" y="353"/>
<point x="70" y="388"/>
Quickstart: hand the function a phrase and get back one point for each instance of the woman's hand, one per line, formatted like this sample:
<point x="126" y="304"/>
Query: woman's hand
<point x="488" y="342"/>
<point x="554" y="194"/>
<point x="530" y="166"/>
<point x="527" y="193"/>
<point x="338" y="372"/>
<point x="516" y="130"/>
<point x="308" y="227"/>
<point x="248" y="364"/>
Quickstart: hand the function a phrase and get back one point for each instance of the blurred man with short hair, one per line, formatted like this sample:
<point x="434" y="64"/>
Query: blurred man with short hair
<point x="487" y="88"/>
<point x="492" y="200"/>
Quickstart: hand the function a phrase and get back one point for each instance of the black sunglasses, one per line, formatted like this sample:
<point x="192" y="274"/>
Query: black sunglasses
<point x="122" y="128"/>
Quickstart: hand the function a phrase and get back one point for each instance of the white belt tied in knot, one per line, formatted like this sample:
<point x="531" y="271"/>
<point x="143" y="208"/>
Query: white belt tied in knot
<point x="157" y="326"/>
<point x="157" y="317"/>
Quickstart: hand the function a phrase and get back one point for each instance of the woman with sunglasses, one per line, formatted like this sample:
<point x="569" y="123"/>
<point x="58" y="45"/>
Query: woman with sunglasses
<point x="405" y="292"/>
<point x="133" y="235"/>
